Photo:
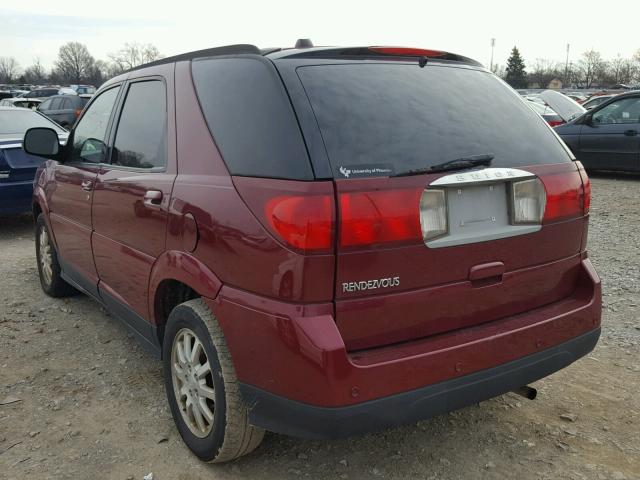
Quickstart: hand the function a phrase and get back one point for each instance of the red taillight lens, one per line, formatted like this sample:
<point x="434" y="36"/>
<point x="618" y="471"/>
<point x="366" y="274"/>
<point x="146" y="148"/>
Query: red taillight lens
<point x="380" y="217"/>
<point x="586" y="185"/>
<point x="555" y="123"/>
<point x="78" y="112"/>
<point x="407" y="52"/>
<point x="565" y="196"/>
<point x="303" y="222"/>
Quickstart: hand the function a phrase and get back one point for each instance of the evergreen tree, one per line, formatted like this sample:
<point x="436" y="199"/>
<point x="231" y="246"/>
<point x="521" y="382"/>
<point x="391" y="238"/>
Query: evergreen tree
<point x="516" y="74"/>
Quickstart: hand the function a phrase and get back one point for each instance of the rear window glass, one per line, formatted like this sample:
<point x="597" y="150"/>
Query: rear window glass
<point x="379" y="119"/>
<point x="251" y="118"/>
<point x="19" y="121"/>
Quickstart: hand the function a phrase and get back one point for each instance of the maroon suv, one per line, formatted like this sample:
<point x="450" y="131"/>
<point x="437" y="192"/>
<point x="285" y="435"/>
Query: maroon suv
<point x="321" y="241"/>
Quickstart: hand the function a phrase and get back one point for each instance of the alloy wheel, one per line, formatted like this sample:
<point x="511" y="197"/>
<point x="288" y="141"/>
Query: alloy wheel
<point x="193" y="382"/>
<point x="46" y="256"/>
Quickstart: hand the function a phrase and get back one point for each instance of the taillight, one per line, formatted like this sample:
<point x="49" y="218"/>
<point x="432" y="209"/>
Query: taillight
<point x="528" y="201"/>
<point x="379" y="217"/>
<point x="78" y="112"/>
<point x="565" y="196"/>
<point x="298" y="214"/>
<point x="586" y="185"/>
<point x="555" y="123"/>
<point x="407" y="52"/>
<point x="433" y="214"/>
<point x="305" y="222"/>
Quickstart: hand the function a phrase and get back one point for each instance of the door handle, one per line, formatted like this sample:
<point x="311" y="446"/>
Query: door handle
<point x="87" y="185"/>
<point x="630" y="133"/>
<point x="153" y="198"/>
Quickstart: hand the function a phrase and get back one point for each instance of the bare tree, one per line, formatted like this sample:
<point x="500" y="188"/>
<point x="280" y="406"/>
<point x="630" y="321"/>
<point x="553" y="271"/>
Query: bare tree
<point x="35" y="73"/>
<point x="543" y="71"/>
<point x="9" y="69"/>
<point x="133" y="55"/>
<point x="635" y="61"/>
<point x="620" y="70"/>
<point x="591" y="67"/>
<point x="99" y="73"/>
<point x="74" y="63"/>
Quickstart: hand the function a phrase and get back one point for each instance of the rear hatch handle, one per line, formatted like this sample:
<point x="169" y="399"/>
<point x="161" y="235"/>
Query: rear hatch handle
<point x="486" y="274"/>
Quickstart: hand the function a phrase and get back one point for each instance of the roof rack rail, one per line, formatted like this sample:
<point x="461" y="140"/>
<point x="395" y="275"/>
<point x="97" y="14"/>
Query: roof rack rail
<point x="238" y="49"/>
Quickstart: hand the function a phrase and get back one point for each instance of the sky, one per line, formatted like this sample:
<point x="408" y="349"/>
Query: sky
<point x="37" y="29"/>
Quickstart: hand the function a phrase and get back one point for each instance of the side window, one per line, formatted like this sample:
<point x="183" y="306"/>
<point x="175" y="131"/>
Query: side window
<point x="625" y="110"/>
<point x="56" y="104"/>
<point x="45" y="105"/>
<point x="65" y="104"/>
<point x="90" y="133"/>
<point x="141" y="138"/>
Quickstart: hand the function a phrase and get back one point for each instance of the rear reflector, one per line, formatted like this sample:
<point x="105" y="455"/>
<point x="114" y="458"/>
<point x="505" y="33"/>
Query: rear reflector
<point x="433" y="214"/>
<point x="379" y="217"/>
<point x="528" y="201"/>
<point x="305" y="222"/>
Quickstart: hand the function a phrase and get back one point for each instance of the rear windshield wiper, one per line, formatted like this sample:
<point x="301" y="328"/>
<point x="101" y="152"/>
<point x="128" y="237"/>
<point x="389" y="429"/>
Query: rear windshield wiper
<point x="457" y="164"/>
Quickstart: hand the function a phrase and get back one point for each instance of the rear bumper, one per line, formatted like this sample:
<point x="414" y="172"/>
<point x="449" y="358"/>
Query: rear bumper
<point x="295" y="368"/>
<point x="279" y="414"/>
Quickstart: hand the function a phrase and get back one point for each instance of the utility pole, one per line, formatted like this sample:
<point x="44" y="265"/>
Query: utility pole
<point x="493" y="44"/>
<point x="566" y="65"/>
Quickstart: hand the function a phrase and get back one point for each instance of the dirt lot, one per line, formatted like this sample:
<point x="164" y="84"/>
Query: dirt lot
<point x="91" y="403"/>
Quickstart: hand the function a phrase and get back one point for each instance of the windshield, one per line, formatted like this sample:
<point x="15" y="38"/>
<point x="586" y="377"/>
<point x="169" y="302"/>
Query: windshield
<point x="385" y="119"/>
<point x="19" y="121"/>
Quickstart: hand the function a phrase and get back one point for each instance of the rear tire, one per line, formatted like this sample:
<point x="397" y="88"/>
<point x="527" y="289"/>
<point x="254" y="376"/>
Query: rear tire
<point x="48" y="266"/>
<point x="208" y="408"/>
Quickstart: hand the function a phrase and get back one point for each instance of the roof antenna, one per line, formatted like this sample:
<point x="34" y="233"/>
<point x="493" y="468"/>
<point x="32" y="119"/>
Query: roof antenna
<point x="304" y="43"/>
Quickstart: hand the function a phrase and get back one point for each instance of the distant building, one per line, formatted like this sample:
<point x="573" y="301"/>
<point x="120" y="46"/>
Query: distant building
<point x="555" y="84"/>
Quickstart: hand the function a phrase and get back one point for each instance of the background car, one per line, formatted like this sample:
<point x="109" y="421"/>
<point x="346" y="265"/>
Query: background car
<point x="606" y="137"/>
<point x="546" y="112"/>
<point x="21" y="102"/>
<point x="44" y="92"/>
<point x="84" y="89"/>
<point x="64" y="109"/>
<point x="18" y="168"/>
<point x="596" y="100"/>
<point x="66" y="91"/>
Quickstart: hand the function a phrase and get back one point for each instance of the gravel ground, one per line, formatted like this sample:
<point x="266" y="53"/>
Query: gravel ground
<point x="89" y="402"/>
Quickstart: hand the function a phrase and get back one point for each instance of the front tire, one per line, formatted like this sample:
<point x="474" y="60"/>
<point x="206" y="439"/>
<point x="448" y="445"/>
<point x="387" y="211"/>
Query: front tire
<point x="202" y="387"/>
<point x="48" y="266"/>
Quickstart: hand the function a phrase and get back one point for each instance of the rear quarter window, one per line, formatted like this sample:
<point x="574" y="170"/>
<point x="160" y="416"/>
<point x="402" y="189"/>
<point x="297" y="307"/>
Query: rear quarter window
<point x="251" y="118"/>
<point x="398" y="117"/>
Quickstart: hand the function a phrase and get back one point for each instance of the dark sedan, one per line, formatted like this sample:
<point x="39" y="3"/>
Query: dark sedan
<point x="17" y="168"/>
<point x="64" y="109"/>
<point x="606" y="137"/>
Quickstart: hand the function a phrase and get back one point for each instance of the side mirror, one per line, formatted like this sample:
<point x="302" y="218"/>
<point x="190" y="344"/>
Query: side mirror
<point x="93" y="151"/>
<point x="41" y="141"/>
<point x="588" y="119"/>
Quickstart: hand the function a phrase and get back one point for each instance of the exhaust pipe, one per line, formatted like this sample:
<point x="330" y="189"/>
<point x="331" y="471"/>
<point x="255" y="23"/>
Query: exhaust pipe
<point x="526" y="392"/>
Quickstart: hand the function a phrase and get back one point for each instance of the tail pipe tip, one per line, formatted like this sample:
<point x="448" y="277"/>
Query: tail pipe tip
<point x="526" y="392"/>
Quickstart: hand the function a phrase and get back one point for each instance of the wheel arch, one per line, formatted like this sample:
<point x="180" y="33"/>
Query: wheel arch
<point x="175" y="278"/>
<point x="39" y="206"/>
